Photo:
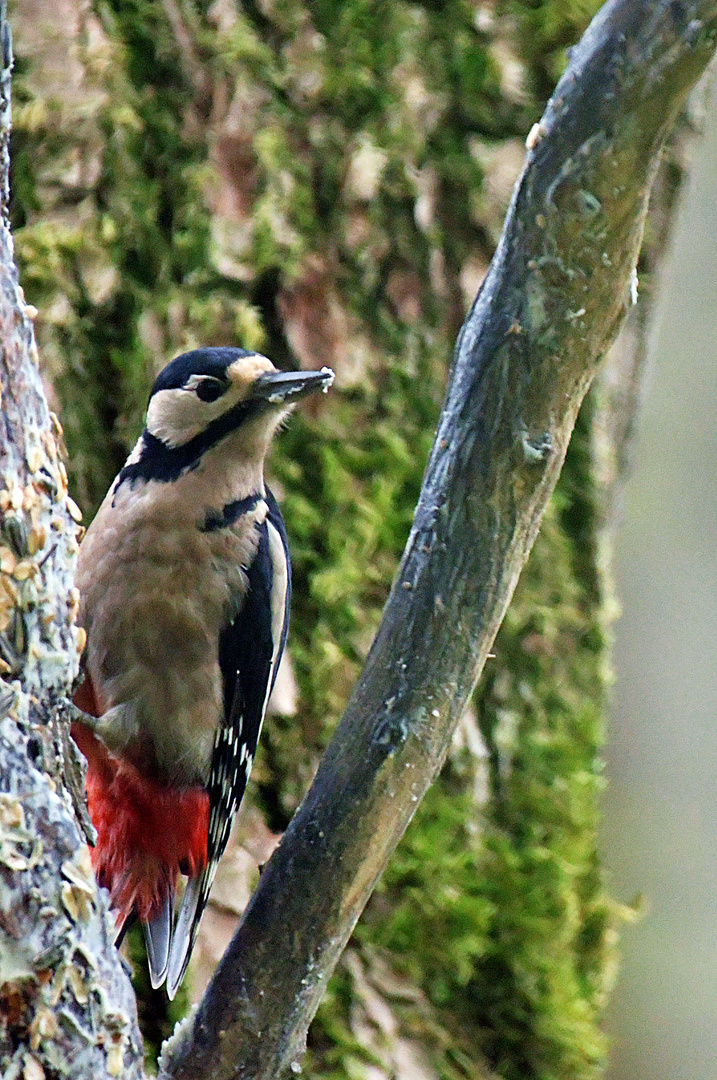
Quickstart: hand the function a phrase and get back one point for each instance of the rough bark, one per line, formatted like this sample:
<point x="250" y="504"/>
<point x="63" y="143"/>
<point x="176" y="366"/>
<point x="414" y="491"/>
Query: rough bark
<point x="66" y="1004"/>
<point x="552" y="303"/>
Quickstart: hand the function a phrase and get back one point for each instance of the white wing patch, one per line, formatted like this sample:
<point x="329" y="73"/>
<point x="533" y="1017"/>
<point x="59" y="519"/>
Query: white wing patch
<point x="280" y="582"/>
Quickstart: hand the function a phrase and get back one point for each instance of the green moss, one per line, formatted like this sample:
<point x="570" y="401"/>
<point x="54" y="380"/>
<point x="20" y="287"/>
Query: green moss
<point x="497" y="877"/>
<point x="505" y="928"/>
<point x="544" y="33"/>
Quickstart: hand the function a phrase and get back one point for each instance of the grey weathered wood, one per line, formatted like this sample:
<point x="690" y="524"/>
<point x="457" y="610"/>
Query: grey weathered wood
<point x="552" y="303"/>
<point x="66" y="1004"/>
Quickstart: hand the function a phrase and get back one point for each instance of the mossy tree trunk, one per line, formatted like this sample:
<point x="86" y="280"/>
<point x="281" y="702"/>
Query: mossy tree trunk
<point x="326" y="182"/>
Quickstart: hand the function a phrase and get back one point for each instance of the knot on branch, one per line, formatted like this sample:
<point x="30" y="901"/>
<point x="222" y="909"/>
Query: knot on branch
<point x="536" y="448"/>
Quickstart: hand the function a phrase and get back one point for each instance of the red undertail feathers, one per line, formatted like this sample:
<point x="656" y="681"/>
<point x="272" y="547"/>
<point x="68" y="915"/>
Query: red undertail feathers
<point x="147" y="833"/>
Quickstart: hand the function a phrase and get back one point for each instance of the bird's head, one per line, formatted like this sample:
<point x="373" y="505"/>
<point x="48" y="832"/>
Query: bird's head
<point x="212" y="392"/>
<point x="212" y="397"/>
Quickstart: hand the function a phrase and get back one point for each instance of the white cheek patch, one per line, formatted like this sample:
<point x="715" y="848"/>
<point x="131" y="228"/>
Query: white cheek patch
<point x="176" y="416"/>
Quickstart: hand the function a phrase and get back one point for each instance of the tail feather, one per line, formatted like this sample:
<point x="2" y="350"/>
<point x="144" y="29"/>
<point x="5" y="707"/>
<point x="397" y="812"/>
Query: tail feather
<point x="193" y="903"/>
<point x="185" y="934"/>
<point x="158" y="937"/>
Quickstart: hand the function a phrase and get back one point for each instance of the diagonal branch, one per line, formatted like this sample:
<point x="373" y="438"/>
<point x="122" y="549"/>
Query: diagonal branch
<point x="552" y="303"/>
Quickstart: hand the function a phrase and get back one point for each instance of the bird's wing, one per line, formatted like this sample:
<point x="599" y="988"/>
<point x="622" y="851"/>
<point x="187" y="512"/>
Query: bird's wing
<point x="250" y="649"/>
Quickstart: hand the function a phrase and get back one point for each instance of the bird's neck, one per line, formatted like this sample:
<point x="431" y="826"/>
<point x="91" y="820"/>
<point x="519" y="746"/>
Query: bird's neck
<point x="221" y="483"/>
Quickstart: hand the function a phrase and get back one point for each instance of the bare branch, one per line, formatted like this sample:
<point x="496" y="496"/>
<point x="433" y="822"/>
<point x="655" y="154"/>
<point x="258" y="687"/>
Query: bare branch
<point x="550" y="307"/>
<point x="66" y="1005"/>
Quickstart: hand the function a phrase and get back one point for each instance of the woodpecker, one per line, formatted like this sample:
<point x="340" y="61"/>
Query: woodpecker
<point x="185" y="582"/>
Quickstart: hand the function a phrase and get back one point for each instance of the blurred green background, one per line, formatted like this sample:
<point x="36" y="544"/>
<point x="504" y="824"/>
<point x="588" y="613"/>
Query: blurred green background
<point x="659" y="833"/>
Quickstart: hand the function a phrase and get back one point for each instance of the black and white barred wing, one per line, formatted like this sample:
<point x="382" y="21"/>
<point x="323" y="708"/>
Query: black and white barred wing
<point x="249" y="651"/>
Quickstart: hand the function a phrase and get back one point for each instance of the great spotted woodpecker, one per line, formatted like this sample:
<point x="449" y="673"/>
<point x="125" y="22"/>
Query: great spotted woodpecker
<point x="185" y="581"/>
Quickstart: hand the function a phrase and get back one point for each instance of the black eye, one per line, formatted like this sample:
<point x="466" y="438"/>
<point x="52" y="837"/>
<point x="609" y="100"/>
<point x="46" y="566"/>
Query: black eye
<point x="209" y="389"/>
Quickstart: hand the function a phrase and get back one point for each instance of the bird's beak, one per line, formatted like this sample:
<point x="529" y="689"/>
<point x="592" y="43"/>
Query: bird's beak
<point x="285" y="387"/>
